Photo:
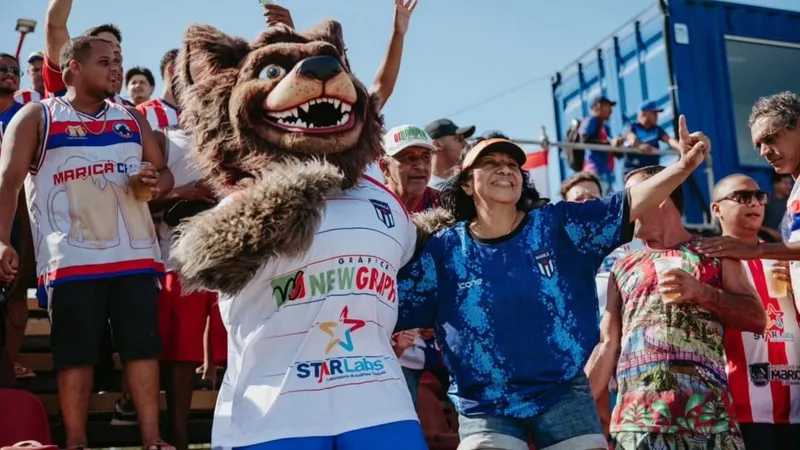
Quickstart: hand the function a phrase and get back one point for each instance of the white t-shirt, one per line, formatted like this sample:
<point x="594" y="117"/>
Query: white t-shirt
<point x="178" y="145"/>
<point x="309" y="351"/>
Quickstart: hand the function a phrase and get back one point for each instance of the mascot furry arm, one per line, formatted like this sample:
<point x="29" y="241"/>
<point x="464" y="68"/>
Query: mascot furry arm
<point x="277" y="136"/>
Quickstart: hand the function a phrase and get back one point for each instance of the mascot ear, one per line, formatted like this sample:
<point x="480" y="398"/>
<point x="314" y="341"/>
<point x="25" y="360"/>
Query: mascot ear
<point x="329" y="31"/>
<point x="207" y="51"/>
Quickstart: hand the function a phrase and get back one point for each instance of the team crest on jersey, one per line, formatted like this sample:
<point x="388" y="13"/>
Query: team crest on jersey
<point x="759" y="374"/>
<point x="544" y="259"/>
<point x="123" y="130"/>
<point x="384" y="212"/>
<point x="76" y="131"/>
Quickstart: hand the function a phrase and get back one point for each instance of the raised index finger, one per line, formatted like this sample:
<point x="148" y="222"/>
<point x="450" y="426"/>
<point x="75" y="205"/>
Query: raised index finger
<point x="683" y="130"/>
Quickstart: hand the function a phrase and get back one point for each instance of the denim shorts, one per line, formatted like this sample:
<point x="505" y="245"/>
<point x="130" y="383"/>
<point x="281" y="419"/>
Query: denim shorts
<point x="570" y="424"/>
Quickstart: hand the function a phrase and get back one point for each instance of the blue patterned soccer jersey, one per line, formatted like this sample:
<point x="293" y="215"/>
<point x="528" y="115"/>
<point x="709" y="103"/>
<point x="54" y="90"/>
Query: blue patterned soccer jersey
<point x="516" y="316"/>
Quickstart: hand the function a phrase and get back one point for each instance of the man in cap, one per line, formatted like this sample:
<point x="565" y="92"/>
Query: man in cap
<point x="406" y="167"/>
<point x="594" y="130"/>
<point x="450" y="141"/>
<point x="646" y="135"/>
<point x="34" y="71"/>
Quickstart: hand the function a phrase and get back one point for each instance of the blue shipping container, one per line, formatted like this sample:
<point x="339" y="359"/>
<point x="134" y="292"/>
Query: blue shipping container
<point x="705" y="59"/>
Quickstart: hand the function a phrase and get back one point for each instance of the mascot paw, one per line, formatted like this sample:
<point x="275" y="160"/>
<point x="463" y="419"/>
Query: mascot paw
<point x="275" y="216"/>
<point x="429" y="223"/>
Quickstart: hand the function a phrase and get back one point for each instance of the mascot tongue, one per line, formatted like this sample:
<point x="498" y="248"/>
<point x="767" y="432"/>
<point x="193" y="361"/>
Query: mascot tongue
<point x="282" y="124"/>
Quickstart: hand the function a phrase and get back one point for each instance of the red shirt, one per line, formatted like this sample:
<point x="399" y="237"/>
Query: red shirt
<point x="430" y="200"/>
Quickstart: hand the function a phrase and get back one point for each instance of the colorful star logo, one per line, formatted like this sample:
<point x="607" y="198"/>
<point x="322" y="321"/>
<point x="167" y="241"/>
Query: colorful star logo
<point x="775" y="318"/>
<point x="340" y="331"/>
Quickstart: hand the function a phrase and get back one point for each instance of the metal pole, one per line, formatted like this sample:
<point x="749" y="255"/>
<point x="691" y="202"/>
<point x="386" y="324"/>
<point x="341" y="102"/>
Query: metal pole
<point x="22" y="35"/>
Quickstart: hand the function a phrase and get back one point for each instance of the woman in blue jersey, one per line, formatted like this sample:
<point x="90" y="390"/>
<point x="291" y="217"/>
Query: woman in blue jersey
<point x="509" y="289"/>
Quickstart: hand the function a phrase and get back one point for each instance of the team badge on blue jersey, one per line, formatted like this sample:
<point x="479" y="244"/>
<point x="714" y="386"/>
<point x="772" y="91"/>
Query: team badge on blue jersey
<point x="123" y="130"/>
<point x="384" y="212"/>
<point x="544" y="259"/>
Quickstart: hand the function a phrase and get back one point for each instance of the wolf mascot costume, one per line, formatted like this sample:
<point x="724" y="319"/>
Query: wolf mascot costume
<point x="303" y="249"/>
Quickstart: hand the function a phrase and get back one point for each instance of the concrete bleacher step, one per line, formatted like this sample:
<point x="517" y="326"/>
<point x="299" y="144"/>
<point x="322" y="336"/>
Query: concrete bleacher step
<point x="103" y="435"/>
<point x="104" y="402"/>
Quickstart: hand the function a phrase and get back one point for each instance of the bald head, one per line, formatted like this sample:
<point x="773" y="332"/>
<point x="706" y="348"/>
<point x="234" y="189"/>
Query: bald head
<point x="731" y="183"/>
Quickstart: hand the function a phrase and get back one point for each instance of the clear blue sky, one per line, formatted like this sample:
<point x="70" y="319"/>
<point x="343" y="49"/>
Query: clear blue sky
<point x="457" y="52"/>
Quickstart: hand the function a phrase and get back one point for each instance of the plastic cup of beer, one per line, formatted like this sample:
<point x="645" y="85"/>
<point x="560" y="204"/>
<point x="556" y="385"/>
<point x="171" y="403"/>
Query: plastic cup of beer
<point x="775" y="288"/>
<point x="141" y="192"/>
<point x="665" y="264"/>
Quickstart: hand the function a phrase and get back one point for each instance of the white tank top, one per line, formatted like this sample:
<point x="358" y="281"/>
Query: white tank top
<point x="178" y="145"/>
<point x="86" y="222"/>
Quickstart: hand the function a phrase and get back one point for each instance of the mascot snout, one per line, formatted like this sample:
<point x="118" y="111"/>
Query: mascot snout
<point x="316" y="97"/>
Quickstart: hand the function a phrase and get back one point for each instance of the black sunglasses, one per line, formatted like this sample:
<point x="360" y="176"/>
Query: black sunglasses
<point x="10" y="69"/>
<point x="744" y="197"/>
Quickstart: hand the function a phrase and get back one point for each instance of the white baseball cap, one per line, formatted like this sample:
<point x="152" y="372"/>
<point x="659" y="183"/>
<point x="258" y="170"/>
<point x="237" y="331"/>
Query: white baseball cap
<point x="400" y="138"/>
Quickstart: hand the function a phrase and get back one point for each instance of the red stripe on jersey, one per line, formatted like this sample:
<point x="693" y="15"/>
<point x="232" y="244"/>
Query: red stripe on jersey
<point x="159" y="108"/>
<point x="738" y="382"/>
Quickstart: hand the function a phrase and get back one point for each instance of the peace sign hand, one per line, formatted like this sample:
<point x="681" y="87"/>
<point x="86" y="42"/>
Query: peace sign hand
<point x="402" y="15"/>
<point x="694" y="146"/>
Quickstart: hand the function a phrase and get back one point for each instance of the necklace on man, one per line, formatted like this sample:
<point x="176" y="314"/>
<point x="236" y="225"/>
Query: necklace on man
<point x="86" y="126"/>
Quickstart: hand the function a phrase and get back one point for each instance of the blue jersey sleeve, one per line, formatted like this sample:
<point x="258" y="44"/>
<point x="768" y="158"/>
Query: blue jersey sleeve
<point x="417" y="286"/>
<point x="590" y="127"/>
<point x="599" y="226"/>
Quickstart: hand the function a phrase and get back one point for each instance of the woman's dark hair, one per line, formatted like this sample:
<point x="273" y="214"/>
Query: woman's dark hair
<point x="462" y="206"/>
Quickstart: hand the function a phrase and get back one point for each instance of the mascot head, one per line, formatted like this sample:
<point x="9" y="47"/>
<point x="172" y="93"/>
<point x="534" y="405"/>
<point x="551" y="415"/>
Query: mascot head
<point x="285" y="95"/>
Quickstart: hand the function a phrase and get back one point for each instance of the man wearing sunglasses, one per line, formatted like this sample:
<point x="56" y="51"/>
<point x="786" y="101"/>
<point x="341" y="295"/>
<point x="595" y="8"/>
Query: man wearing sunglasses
<point x="761" y="367"/>
<point x="9" y="84"/>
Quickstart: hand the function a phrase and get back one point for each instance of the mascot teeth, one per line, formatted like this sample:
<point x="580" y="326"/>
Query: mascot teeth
<point x="322" y="114"/>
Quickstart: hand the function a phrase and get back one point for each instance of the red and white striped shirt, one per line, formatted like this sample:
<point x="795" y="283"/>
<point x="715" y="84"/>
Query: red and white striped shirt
<point x="27" y="96"/>
<point x="764" y="369"/>
<point x="159" y="113"/>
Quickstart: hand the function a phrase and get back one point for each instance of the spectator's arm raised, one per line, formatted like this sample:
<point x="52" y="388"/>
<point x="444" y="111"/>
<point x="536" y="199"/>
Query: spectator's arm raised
<point x="386" y="77"/>
<point x="21" y="148"/>
<point x="55" y="30"/>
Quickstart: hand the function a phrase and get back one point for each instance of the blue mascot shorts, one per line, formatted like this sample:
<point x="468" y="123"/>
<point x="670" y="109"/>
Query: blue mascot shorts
<point x="406" y="435"/>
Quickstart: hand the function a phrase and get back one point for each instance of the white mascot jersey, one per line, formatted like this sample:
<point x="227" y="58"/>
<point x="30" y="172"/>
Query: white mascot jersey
<point x="309" y="338"/>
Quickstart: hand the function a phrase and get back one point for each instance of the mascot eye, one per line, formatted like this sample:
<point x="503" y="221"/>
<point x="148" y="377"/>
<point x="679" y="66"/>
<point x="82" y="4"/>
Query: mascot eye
<point x="272" y="72"/>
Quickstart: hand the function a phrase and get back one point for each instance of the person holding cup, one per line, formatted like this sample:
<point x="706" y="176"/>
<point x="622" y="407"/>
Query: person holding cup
<point x="760" y="363"/>
<point x="666" y="317"/>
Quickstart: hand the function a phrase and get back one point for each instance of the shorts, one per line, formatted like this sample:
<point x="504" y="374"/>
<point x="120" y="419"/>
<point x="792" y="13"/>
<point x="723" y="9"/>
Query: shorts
<point x="182" y="323"/>
<point x="405" y="435"/>
<point x="572" y="423"/>
<point x="768" y="436"/>
<point x="633" y="440"/>
<point x="81" y="310"/>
